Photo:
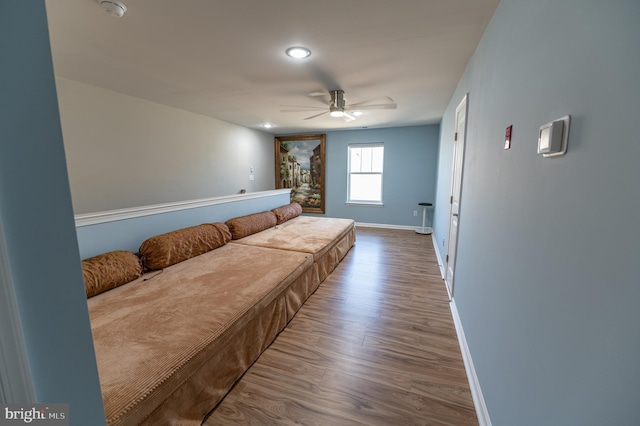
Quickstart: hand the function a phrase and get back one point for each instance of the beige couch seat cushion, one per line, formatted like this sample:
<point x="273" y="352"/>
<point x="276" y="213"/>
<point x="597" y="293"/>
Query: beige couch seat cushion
<point x="150" y="336"/>
<point x="306" y="234"/>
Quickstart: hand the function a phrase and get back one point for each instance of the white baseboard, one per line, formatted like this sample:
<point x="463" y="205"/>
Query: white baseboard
<point x="474" y="384"/>
<point x="385" y="226"/>
<point x="440" y="262"/>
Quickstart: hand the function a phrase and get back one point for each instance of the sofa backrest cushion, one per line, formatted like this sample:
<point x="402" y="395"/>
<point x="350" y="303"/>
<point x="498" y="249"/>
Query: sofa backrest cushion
<point x="164" y="250"/>
<point x="287" y="212"/>
<point x="244" y="226"/>
<point x="109" y="270"/>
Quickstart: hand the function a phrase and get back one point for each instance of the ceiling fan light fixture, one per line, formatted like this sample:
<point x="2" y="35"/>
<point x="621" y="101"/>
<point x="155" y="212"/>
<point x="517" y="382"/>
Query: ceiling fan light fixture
<point x="298" y="52"/>
<point x="114" y="8"/>
<point x="339" y="108"/>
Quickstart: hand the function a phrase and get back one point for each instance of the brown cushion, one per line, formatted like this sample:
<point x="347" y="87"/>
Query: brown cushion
<point x="109" y="270"/>
<point x="167" y="249"/>
<point x="287" y="212"/>
<point x="243" y="226"/>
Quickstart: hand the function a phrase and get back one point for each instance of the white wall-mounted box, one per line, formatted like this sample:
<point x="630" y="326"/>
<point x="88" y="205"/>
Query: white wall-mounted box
<point x="553" y="137"/>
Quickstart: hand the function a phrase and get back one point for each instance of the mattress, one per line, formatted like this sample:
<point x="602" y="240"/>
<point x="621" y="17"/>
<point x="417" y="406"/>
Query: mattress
<point x="327" y="239"/>
<point x="170" y="344"/>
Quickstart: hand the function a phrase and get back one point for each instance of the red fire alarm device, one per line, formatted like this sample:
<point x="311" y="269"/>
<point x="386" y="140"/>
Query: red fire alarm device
<point x="507" y="138"/>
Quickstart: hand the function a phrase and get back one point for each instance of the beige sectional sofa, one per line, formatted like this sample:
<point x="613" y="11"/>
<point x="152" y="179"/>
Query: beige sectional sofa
<point x="172" y="342"/>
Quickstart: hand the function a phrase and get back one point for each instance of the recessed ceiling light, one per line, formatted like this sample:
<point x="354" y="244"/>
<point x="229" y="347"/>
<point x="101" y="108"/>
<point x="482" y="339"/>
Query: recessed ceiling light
<point x="298" y="52"/>
<point x="113" y="8"/>
<point x="267" y="125"/>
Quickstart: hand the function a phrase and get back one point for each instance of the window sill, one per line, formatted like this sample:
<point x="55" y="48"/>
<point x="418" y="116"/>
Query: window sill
<point x="364" y="204"/>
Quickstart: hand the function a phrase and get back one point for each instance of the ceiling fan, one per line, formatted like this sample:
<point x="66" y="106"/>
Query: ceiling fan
<point x="339" y="108"/>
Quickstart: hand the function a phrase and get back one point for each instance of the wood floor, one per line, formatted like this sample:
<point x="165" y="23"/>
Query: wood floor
<point x="374" y="345"/>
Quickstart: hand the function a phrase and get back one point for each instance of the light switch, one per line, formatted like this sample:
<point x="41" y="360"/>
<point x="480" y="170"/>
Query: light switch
<point x="252" y="177"/>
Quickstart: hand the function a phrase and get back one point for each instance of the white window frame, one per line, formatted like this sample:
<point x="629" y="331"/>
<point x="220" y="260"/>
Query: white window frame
<point x="376" y="203"/>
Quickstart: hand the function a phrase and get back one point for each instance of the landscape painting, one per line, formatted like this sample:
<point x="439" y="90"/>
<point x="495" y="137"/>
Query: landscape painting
<point x="300" y="166"/>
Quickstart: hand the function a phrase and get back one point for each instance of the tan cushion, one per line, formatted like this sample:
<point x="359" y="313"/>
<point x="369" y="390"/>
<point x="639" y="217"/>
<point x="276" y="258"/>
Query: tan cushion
<point x="287" y="212"/>
<point x="243" y="226"/>
<point x="109" y="270"/>
<point x="164" y="250"/>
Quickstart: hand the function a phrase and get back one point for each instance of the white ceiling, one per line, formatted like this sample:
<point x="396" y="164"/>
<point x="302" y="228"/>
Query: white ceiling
<point x="225" y="58"/>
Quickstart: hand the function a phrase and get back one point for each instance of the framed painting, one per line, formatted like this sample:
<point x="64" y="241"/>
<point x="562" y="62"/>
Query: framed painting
<point x="300" y="165"/>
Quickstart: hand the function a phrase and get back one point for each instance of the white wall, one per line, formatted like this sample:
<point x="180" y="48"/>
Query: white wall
<point x="547" y="277"/>
<point x="127" y="152"/>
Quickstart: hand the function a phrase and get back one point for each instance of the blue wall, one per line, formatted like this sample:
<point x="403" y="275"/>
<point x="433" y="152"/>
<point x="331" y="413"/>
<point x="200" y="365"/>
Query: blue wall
<point x="37" y="218"/>
<point x="128" y="234"/>
<point x="547" y="276"/>
<point x="410" y="162"/>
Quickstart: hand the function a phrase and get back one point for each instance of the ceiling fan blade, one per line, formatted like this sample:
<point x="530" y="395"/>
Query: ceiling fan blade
<point x="347" y="116"/>
<point x="379" y="106"/>
<point x="357" y="104"/>
<point x="297" y="108"/>
<point x="319" y="94"/>
<point x="317" y="115"/>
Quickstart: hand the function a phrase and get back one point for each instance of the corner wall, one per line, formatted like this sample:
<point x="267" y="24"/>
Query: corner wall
<point x="37" y="220"/>
<point x="547" y="270"/>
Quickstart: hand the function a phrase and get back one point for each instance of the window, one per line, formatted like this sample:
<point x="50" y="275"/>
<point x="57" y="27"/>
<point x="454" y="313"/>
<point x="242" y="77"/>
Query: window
<point x="365" y="173"/>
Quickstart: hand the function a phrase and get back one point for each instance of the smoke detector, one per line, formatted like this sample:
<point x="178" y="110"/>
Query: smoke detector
<point x="113" y="8"/>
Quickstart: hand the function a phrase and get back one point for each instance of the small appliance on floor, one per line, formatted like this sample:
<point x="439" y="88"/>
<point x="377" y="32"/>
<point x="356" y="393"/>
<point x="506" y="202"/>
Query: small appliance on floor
<point x="424" y="230"/>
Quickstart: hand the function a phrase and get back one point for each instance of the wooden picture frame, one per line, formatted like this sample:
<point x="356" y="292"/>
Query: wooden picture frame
<point x="300" y="165"/>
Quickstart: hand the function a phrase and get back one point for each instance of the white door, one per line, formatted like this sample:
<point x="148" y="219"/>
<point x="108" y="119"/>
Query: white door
<point x="456" y="186"/>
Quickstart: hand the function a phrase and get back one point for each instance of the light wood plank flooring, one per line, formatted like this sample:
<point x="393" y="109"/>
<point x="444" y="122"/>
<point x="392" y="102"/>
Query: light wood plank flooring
<point x="374" y="345"/>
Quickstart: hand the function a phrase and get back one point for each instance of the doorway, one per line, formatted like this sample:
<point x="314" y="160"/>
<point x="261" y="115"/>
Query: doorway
<point x="456" y="188"/>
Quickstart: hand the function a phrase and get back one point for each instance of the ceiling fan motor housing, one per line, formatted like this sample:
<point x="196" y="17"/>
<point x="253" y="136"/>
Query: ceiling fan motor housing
<point x="337" y="101"/>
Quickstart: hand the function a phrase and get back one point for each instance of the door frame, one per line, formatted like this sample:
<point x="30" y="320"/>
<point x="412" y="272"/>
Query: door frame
<point x="457" y="172"/>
